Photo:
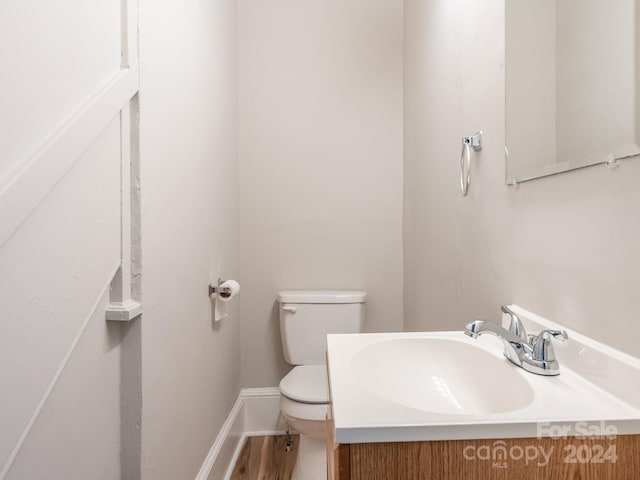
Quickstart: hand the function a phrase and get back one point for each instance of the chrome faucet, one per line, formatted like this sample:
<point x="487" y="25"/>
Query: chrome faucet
<point x="534" y="353"/>
<point x="515" y="348"/>
<point x="515" y="326"/>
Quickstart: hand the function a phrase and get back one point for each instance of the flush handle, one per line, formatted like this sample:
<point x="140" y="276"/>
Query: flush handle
<point x="290" y="308"/>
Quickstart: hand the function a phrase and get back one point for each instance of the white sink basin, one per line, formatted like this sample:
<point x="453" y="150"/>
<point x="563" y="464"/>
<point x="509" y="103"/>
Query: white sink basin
<point x="422" y="386"/>
<point x="441" y="375"/>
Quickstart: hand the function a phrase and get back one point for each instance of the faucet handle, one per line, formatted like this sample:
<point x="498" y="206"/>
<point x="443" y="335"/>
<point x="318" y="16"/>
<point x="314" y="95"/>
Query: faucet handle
<point x="542" y="346"/>
<point x="515" y="326"/>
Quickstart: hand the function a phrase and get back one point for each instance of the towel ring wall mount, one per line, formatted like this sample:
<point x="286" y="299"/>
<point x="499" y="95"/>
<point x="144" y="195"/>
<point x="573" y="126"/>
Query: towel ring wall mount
<point x="474" y="142"/>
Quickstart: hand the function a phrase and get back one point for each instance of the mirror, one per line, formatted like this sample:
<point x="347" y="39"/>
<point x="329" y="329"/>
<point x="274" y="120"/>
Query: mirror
<point x="571" y="85"/>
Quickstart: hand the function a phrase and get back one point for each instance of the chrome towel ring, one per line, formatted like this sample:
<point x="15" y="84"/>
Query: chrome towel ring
<point x="474" y="142"/>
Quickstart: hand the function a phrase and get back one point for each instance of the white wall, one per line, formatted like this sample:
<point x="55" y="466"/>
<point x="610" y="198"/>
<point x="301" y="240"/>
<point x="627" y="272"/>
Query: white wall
<point x="320" y="162"/>
<point x="60" y="362"/>
<point x="55" y="268"/>
<point x="564" y="246"/>
<point x="57" y="60"/>
<point x="576" y="256"/>
<point x="191" y="366"/>
<point x="456" y="249"/>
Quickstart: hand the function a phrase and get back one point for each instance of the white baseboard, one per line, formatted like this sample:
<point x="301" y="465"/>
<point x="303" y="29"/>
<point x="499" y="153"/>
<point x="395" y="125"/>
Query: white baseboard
<point x="256" y="412"/>
<point x="229" y="440"/>
<point x="262" y="412"/>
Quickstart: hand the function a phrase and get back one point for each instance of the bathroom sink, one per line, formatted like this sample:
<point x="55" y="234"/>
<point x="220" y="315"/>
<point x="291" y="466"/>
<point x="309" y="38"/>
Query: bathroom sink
<point x="441" y="375"/>
<point x="424" y="386"/>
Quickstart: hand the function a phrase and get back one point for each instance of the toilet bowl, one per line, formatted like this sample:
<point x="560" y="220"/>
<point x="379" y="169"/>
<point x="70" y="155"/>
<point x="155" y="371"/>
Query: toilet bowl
<point x="306" y="317"/>
<point x="304" y="401"/>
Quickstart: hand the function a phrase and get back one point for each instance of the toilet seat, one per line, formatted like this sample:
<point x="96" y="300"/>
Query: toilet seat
<point x="305" y="393"/>
<point x="304" y="411"/>
<point x="306" y="384"/>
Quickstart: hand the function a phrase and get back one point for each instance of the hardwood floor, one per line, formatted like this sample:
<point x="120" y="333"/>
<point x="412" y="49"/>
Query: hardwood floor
<point x="266" y="458"/>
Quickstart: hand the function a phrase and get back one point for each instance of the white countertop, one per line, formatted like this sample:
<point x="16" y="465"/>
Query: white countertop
<point x="598" y="389"/>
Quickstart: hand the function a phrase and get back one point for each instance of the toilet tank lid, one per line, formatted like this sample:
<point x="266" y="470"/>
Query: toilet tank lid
<point x="322" y="296"/>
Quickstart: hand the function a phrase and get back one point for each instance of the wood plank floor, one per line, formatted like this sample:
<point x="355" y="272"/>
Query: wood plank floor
<point x="266" y="458"/>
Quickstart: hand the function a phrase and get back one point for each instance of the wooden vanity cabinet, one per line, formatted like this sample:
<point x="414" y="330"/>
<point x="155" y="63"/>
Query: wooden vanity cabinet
<point x="540" y="459"/>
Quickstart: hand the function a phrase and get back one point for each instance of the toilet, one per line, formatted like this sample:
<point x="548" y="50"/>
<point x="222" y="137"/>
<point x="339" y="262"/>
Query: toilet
<point x="306" y="317"/>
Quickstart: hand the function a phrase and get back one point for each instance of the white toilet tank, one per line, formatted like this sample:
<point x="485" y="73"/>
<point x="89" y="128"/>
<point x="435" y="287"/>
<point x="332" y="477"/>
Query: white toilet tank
<point x="307" y="316"/>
